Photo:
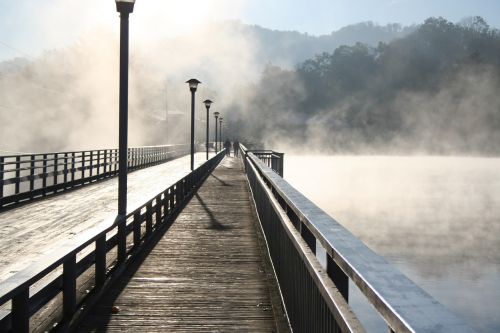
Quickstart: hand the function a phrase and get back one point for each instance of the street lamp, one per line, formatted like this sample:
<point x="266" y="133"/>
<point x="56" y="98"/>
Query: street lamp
<point x="220" y="132"/>
<point x="193" y="84"/>
<point x="216" y="115"/>
<point x="207" y="105"/>
<point x="124" y="7"/>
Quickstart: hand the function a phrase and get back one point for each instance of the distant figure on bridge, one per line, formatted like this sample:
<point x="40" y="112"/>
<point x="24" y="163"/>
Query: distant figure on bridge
<point x="227" y="145"/>
<point x="236" y="147"/>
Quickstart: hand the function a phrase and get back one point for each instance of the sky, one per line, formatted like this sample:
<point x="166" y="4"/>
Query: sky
<point x="27" y="27"/>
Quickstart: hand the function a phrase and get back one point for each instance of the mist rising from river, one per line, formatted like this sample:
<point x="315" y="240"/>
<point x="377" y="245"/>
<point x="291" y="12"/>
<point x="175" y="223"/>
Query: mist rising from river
<point x="436" y="218"/>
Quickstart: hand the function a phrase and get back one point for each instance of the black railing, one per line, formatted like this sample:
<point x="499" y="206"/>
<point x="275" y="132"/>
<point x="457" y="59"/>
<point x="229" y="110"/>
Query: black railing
<point x="91" y="260"/>
<point x="271" y="158"/>
<point x="316" y="297"/>
<point x="27" y="177"/>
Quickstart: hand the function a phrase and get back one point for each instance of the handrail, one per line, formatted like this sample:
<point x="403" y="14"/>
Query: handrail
<point x="30" y="176"/>
<point x="271" y="158"/>
<point x="402" y="304"/>
<point x="142" y="222"/>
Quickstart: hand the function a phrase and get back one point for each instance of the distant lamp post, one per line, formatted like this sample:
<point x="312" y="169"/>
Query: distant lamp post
<point x="124" y="7"/>
<point x="207" y="105"/>
<point x="220" y="133"/>
<point x="193" y="84"/>
<point x="216" y="115"/>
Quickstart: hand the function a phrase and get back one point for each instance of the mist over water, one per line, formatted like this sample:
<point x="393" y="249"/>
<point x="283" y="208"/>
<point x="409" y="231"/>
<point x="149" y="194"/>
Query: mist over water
<point x="436" y="218"/>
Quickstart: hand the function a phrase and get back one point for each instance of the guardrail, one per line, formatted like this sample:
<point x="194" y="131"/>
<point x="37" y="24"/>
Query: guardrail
<point x="106" y="249"/>
<point x="27" y="177"/>
<point x="271" y="158"/>
<point x="316" y="298"/>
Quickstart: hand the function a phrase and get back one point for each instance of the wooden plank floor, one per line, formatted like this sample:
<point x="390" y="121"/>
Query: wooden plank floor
<point x="34" y="229"/>
<point x="205" y="274"/>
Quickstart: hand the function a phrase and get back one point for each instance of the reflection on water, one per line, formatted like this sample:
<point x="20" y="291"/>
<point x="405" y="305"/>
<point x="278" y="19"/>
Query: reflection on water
<point x="436" y="218"/>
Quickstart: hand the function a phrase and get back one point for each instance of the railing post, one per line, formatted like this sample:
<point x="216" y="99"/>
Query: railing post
<point x="91" y="165"/>
<point x="72" y="169"/>
<point x="105" y="171"/>
<point x="18" y="174"/>
<point x="137" y="228"/>
<point x="83" y="167"/>
<point x="171" y="197"/>
<point x="1" y="179"/>
<point x="122" y="239"/>
<point x="21" y="312"/>
<point x="100" y="261"/>
<point x="149" y="219"/>
<point x="65" y="170"/>
<point x="32" y="175"/>
<point x="158" y="209"/>
<point x="56" y="162"/>
<point x="44" y="176"/>
<point x="165" y="204"/>
<point x="69" y="289"/>
<point x="98" y="164"/>
<point x="338" y="277"/>
<point x="308" y="236"/>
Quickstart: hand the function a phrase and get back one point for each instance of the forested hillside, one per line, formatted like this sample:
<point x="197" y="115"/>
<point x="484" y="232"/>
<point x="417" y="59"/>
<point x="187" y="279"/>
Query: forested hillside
<point x="436" y="90"/>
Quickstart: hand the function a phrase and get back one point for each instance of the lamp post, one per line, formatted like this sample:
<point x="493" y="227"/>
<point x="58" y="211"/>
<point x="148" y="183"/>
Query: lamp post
<point x="193" y="84"/>
<point x="220" y="133"/>
<point x="207" y="105"/>
<point x="216" y="115"/>
<point x="124" y="7"/>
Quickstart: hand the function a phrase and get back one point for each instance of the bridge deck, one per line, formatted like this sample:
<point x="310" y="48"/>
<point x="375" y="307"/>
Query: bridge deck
<point x="39" y="227"/>
<point x="206" y="273"/>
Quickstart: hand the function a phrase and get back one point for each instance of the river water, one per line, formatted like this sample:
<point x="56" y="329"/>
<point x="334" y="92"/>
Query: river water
<point x="436" y="218"/>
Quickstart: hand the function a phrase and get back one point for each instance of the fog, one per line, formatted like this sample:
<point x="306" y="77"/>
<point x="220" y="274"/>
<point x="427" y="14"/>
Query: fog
<point x="66" y="98"/>
<point x="436" y="218"/>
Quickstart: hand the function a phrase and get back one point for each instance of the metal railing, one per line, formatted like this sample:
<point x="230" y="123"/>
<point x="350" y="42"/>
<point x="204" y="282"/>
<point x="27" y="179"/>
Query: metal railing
<point x="316" y="297"/>
<point x="271" y="158"/>
<point x="106" y="249"/>
<point x="27" y="177"/>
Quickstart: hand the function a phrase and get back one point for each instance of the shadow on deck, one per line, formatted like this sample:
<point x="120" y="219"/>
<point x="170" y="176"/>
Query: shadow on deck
<point x="208" y="272"/>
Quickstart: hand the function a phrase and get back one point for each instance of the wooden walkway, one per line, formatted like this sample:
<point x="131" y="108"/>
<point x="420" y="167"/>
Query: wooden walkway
<point x="34" y="229"/>
<point x="206" y="273"/>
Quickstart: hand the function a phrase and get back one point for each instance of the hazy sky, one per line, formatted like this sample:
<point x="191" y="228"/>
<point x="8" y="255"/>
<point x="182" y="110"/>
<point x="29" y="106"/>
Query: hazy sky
<point x="29" y="26"/>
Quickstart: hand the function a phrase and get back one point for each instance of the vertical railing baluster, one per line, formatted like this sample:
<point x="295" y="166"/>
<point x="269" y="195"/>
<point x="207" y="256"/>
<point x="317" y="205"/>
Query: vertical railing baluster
<point x="69" y="289"/>
<point x="32" y="175"/>
<point x="100" y="260"/>
<point x="21" y="312"/>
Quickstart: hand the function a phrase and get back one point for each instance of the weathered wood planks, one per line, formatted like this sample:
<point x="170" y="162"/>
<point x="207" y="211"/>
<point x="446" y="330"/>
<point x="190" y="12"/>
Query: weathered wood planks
<point x="205" y="274"/>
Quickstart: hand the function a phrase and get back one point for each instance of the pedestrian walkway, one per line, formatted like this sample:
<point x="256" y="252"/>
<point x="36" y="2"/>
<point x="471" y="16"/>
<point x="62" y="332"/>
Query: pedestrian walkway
<point x="206" y="273"/>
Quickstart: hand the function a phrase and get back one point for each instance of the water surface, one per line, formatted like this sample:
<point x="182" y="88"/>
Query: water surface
<point x="436" y="218"/>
